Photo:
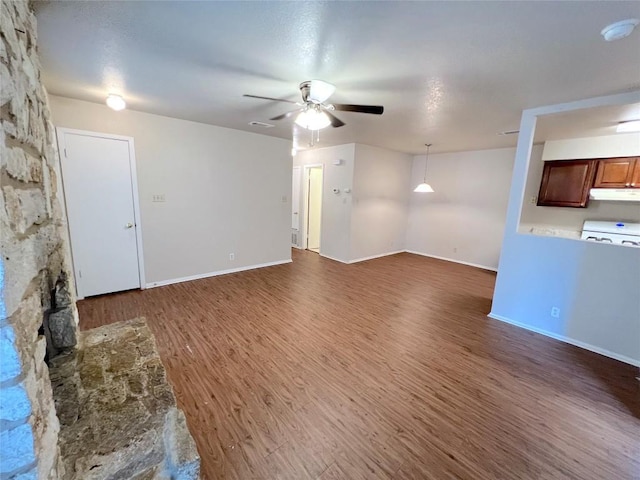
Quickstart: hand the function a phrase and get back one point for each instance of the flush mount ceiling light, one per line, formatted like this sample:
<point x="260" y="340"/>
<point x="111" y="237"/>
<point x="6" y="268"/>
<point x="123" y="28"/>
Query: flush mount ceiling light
<point x="424" y="187"/>
<point x="116" y="102"/>
<point x="619" y="30"/>
<point x="313" y="118"/>
<point x="630" y="126"/>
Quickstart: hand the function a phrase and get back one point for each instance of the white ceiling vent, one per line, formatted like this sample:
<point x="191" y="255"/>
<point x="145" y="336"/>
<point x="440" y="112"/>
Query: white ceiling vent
<point x="260" y="124"/>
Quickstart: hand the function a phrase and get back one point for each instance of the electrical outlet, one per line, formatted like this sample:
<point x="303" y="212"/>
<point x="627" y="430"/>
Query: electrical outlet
<point x="455" y="249"/>
<point x="232" y="256"/>
<point x="533" y="200"/>
<point x="159" y="197"/>
<point x="284" y="199"/>
<point x="555" y="312"/>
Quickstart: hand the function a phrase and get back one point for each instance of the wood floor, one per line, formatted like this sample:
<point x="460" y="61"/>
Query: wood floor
<point x="385" y="369"/>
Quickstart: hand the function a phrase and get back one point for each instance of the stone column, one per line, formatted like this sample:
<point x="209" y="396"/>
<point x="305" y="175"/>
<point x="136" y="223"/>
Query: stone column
<point x="33" y="256"/>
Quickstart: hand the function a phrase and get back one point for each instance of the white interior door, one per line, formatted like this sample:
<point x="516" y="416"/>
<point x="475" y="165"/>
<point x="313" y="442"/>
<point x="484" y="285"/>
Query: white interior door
<point x="98" y="188"/>
<point x="315" y="209"/>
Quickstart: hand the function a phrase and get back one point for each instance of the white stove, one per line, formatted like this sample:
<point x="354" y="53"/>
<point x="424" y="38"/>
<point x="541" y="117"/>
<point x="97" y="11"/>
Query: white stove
<point x="618" y="233"/>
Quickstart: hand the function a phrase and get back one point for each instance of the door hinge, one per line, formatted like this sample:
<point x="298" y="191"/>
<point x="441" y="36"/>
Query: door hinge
<point x="65" y="153"/>
<point x="79" y="273"/>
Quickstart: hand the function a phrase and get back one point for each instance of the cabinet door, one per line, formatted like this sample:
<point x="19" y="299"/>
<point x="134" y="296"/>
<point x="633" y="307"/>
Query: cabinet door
<point x="615" y="172"/>
<point x="635" y="177"/>
<point x="566" y="183"/>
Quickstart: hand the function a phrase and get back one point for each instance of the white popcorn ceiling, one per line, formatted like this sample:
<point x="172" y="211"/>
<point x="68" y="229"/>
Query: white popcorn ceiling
<point x="451" y="73"/>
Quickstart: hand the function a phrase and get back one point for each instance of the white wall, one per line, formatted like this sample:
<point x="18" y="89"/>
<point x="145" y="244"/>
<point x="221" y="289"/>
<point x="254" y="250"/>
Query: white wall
<point x="380" y="205"/>
<point x="224" y="190"/>
<point x="336" y="209"/>
<point x="463" y="220"/>
<point x="570" y="220"/>
<point x="594" y="285"/>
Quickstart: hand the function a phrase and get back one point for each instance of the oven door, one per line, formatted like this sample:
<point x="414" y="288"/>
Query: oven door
<point x="614" y="238"/>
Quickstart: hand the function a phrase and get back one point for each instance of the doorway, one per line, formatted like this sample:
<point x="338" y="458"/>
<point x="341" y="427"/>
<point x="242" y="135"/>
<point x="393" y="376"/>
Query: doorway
<point x="101" y="202"/>
<point x="313" y="207"/>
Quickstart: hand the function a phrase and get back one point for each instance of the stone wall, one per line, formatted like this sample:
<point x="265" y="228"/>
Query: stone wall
<point x="34" y="264"/>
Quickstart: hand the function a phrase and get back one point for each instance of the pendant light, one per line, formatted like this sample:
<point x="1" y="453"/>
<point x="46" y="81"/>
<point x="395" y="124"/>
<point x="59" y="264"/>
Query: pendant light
<point x="424" y="187"/>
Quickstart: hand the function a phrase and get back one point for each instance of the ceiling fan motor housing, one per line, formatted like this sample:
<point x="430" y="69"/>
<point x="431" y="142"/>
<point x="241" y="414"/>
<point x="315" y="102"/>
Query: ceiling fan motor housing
<point x="305" y="89"/>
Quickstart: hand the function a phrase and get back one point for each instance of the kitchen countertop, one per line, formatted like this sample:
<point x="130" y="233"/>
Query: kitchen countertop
<point x="549" y="231"/>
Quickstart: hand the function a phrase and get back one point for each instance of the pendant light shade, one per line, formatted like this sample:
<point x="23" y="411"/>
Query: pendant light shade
<point x="424" y="187"/>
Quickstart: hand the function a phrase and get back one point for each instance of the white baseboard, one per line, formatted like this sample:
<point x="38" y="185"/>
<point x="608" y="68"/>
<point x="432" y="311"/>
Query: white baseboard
<point x="163" y="283"/>
<point x="364" y="259"/>
<point x="571" y="341"/>
<point x="484" y="267"/>
<point x="333" y="258"/>
<point x="360" y="259"/>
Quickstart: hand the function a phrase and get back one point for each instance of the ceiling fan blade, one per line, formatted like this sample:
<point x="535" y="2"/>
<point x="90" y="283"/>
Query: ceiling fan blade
<point x="335" y="121"/>
<point x="269" y="98"/>
<point x="284" y="115"/>
<point x="319" y="91"/>
<point x="373" y="109"/>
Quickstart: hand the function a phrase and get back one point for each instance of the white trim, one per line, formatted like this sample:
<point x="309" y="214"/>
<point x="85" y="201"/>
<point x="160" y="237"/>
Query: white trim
<point x="88" y="133"/>
<point x="136" y="212"/>
<point x="570" y="341"/>
<point x="476" y="265"/>
<point x="364" y="259"/>
<point x="333" y="258"/>
<point x="60" y="131"/>
<point x="199" y="276"/>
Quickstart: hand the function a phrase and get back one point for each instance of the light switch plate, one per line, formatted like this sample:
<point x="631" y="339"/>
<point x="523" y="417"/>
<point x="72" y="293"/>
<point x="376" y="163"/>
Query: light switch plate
<point x="159" y="197"/>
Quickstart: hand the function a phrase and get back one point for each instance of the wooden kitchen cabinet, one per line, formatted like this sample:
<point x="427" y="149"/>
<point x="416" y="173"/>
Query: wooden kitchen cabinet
<point x="566" y="183"/>
<point x="621" y="172"/>
<point x="635" y="176"/>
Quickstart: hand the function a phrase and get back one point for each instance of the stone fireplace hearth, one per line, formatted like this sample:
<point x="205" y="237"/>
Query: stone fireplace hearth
<point x="118" y="415"/>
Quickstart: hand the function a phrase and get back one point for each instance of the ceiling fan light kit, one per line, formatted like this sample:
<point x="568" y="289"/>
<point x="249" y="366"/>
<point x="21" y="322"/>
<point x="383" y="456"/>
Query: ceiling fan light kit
<point x="314" y="113"/>
<point x="313" y="118"/>
<point x="424" y="187"/>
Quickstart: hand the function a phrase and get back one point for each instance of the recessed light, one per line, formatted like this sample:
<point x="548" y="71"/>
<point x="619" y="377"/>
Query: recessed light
<point x="116" y="102"/>
<point x="619" y="30"/>
<point x="630" y="126"/>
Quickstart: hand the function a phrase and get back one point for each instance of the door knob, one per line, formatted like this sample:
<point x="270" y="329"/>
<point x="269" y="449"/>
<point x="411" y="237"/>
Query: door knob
<point x="129" y="225"/>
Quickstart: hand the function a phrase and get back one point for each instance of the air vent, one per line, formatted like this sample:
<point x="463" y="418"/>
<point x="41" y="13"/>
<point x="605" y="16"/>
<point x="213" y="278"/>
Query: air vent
<point x="260" y="124"/>
<point x="509" y="132"/>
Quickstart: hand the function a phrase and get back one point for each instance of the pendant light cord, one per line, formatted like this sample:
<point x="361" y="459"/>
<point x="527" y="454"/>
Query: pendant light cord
<point x="425" y="161"/>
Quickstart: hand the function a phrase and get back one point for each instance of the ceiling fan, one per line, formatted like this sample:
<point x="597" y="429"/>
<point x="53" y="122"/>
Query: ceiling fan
<point x="314" y="113"/>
